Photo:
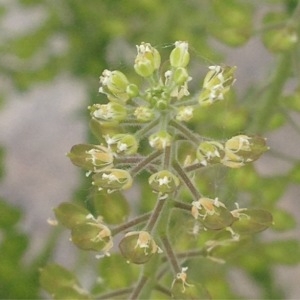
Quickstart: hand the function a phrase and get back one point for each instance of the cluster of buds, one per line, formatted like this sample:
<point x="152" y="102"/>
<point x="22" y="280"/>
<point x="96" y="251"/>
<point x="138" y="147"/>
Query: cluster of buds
<point x="234" y="153"/>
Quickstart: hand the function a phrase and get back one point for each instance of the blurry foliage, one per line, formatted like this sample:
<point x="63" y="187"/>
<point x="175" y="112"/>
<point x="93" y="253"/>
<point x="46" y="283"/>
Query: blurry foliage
<point x="80" y="37"/>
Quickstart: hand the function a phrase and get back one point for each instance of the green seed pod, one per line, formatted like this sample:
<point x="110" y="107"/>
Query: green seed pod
<point x="180" y="75"/>
<point x="282" y="37"/>
<point x="70" y="214"/>
<point x="210" y="152"/>
<point x="180" y="56"/>
<point x="122" y="143"/>
<point x="164" y="182"/>
<point x="138" y="247"/>
<point x="61" y="283"/>
<point x="217" y="83"/>
<point x="112" y="179"/>
<point x="250" y="221"/>
<point x="212" y="213"/>
<point x="147" y="60"/>
<point x="92" y="236"/>
<point x="242" y="149"/>
<point x="91" y="157"/>
<point x="110" y="113"/>
<point x="114" y="85"/>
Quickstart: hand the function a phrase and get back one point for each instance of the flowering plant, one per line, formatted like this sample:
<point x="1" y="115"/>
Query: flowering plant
<point x="141" y="130"/>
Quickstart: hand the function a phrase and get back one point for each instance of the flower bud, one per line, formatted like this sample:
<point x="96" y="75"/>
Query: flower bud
<point x="110" y="113"/>
<point x="114" y="85"/>
<point x="217" y="83"/>
<point x="147" y="60"/>
<point x="160" y="140"/>
<point x="144" y="114"/>
<point x="210" y="152"/>
<point x="164" y="182"/>
<point x="180" y="56"/>
<point x="112" y="179"/>
<point x="122" y="143"/>
<point x="91" y="157"/>
<point x="138" y="247"/>
<point x="92" y="236"/>
<point x="132" y="90"/>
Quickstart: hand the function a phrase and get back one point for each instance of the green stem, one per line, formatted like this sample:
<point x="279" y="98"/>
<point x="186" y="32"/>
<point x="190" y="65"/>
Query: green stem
<point x="269" y="103"/>
<point x="114" y="294"/>
<point x="186" y="132"/>
<point x="136" y="221"/>
<point x="170" y="254"/>
<point x="142" y="164"/>
<point x="155" y="214"/>
<point x="182" y="205"/>
<point x="142" y="132"/>
<point x="138" y="289"/>
<point x="186" y="180"/>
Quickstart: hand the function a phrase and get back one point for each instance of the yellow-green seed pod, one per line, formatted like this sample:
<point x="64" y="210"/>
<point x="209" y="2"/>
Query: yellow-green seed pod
<point x="180" y="56"/>
<point x="110" y="113"/>
<point x="147" y="60"/>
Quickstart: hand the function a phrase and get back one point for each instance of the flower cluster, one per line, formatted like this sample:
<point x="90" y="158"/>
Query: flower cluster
<point x="141" y="129"/>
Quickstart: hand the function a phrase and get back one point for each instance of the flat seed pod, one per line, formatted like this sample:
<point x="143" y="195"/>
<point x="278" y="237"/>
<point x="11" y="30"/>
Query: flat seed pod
<point x="252" y="221"/>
